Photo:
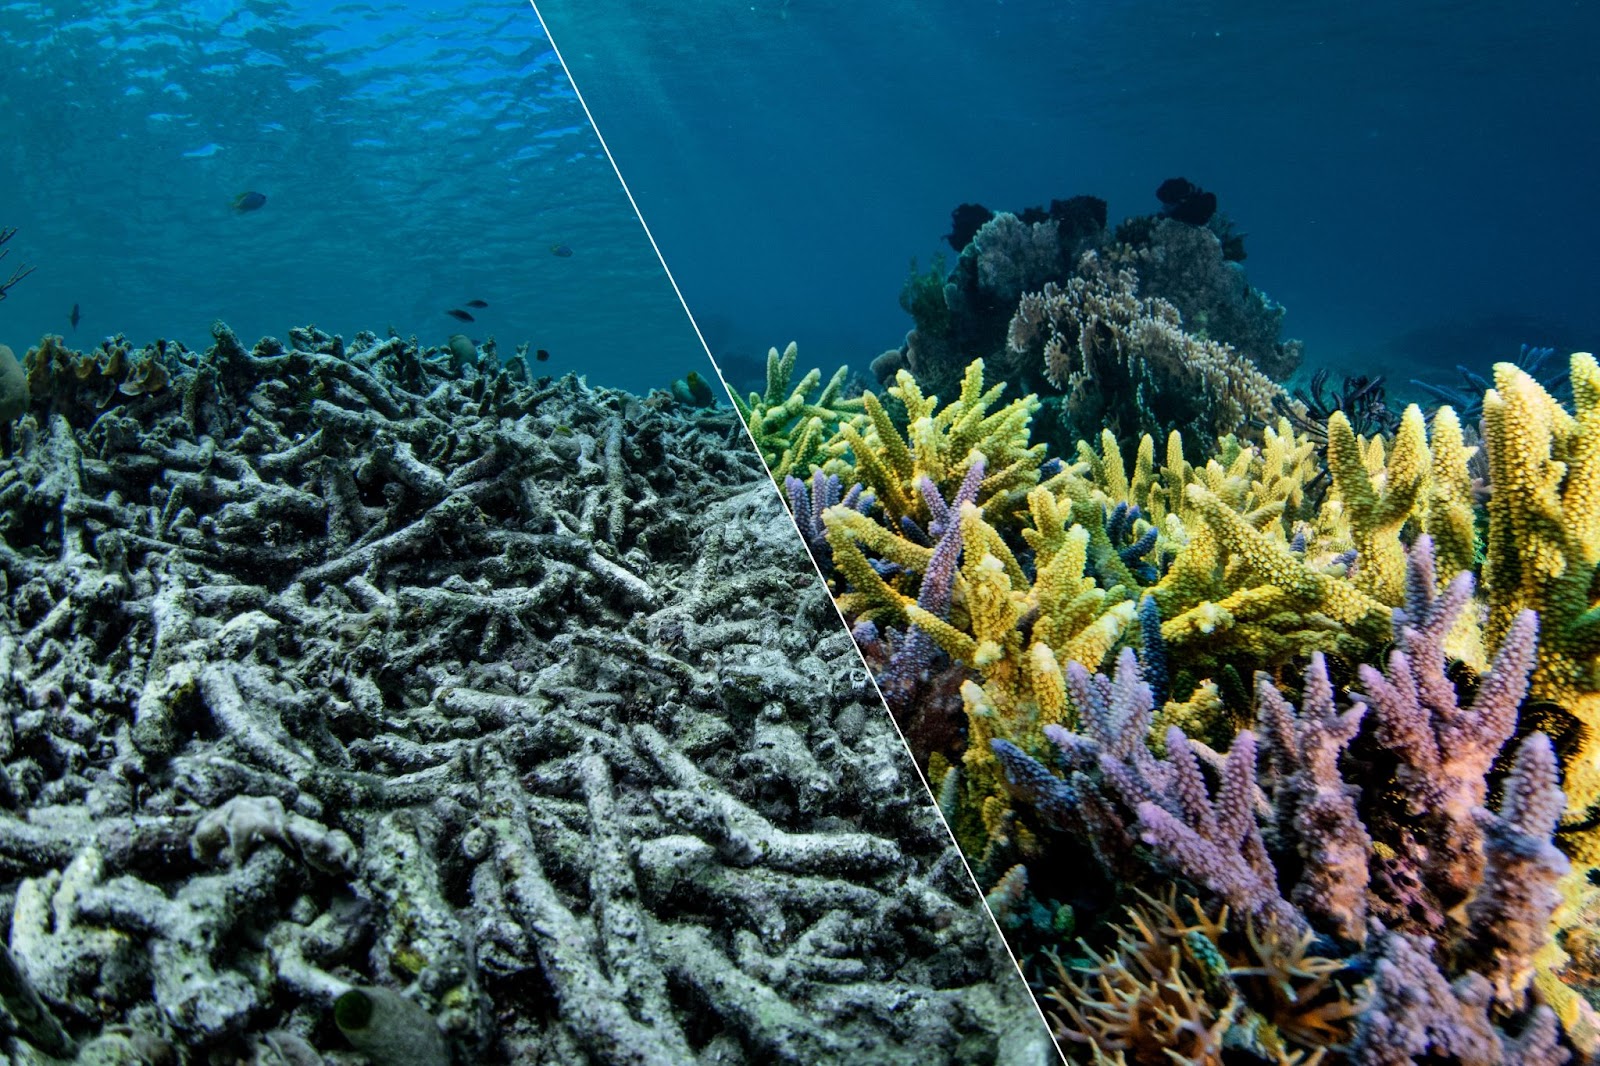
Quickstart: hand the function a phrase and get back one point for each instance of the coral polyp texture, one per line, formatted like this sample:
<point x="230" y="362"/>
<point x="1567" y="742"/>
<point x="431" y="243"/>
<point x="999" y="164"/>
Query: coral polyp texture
<point x="1542" y="553"/>
<point x="1269" y="746"/>
<point x="368" y="698"/>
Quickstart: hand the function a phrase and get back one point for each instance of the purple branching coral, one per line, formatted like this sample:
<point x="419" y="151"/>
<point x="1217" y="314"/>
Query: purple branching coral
<point x="807" y="501"/>
<point x="1314" y="805"/>
<point x="1507" y="918"/>
<point x="909" y="665"/>
<point x="1415" y="1014"/>
<point x="1407" y="877"/>
<point x="1433" y="849"/>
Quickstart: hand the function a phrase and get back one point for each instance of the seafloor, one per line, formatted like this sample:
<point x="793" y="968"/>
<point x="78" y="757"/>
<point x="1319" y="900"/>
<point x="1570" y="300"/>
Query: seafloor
<point x="329" y="668"/>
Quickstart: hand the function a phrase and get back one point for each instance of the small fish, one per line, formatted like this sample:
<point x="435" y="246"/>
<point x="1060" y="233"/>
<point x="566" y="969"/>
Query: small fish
<point x="460" y="315"/>
<point x="74" y="317"/>
<point x="480" y="304"/>
<point x="542" y="355"/>
<point x="561" y="251"/>
<point x="249" y="201"/>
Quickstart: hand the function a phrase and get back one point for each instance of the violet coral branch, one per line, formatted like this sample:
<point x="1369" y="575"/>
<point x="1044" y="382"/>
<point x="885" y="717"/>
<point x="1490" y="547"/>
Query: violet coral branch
<point x="1509" y="917"/>
<point x="1410" y="879"/>
<point x="1313" y="803"/>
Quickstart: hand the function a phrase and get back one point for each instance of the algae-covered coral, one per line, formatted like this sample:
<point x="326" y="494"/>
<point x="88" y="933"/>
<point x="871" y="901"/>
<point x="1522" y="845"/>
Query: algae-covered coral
<point x="1203" y="868"/>
<point x="343" y="677"/>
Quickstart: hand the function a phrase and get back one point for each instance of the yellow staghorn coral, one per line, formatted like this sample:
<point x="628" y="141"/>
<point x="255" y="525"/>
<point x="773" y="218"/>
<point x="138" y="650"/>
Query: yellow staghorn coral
<point x="1240" y="588"/>
<point x="1448" y="516"/>
<point x="1256" y="559"/>
<point x="871" y="597"/>
<point x="1235" y="582"/>
<point x="1269" y="482"/>
<point x="1543" y="547"/>
<point x="1380" y="492"/>
<point x="1021" y="688"/>
<point x="1070" y="616"/>
<point x="1012" y="631"/>
<point x="939" y="444"/>
<point x="1257" y="568"/>
<point x="793" y="432"/>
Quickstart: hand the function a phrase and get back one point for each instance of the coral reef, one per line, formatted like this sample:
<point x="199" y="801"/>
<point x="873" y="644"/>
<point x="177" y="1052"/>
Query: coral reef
<point x="1187" y="280"/>
<point x="335" y="678"/>
<point x="1390" y="867"/>
<point x="1005" y="257"/>
<point x="1247" y="560"/>
<point x="1187" y="266"/>
<point x="1395" y="832"/>
<point x="1100" y="344"/>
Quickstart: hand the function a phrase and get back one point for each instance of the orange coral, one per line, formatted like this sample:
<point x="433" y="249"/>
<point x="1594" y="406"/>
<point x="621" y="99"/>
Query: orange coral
<point x="1182" y="991"/>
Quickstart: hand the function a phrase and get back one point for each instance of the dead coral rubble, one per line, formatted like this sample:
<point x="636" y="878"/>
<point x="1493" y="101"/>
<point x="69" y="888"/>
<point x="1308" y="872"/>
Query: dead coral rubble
<point x="325" y="670"/>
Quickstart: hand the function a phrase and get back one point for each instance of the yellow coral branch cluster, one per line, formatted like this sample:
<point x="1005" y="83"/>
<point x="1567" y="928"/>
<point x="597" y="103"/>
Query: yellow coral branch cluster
<point x="1268" y="551"/>
<point x="940" y="444"/>
<point x="792" y="431"/>
<point x="1235" y="581"/>
<point x="1543" y="547"/>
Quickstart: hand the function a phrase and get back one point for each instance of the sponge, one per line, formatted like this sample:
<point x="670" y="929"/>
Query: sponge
<point x="13" y="386"/>
<point x="389" y="1028"/>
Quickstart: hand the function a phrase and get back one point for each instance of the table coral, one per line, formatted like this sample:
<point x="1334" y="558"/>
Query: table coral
<point x="331" y="668"/>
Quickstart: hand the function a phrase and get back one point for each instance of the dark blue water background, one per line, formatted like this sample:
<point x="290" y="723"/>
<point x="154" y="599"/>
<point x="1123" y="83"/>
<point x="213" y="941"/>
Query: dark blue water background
<point x="413" y="157"/>
<point x="1418" y="180"/>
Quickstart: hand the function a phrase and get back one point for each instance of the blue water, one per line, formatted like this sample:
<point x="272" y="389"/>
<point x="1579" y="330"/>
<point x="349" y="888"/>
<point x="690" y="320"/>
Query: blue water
<point x="1417" y="180"/>
<point x="413" y="158"/>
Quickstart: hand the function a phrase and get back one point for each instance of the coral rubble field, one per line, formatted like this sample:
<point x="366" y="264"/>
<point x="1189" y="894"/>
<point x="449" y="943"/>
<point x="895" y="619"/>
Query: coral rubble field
<point x="384" y="703"/>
